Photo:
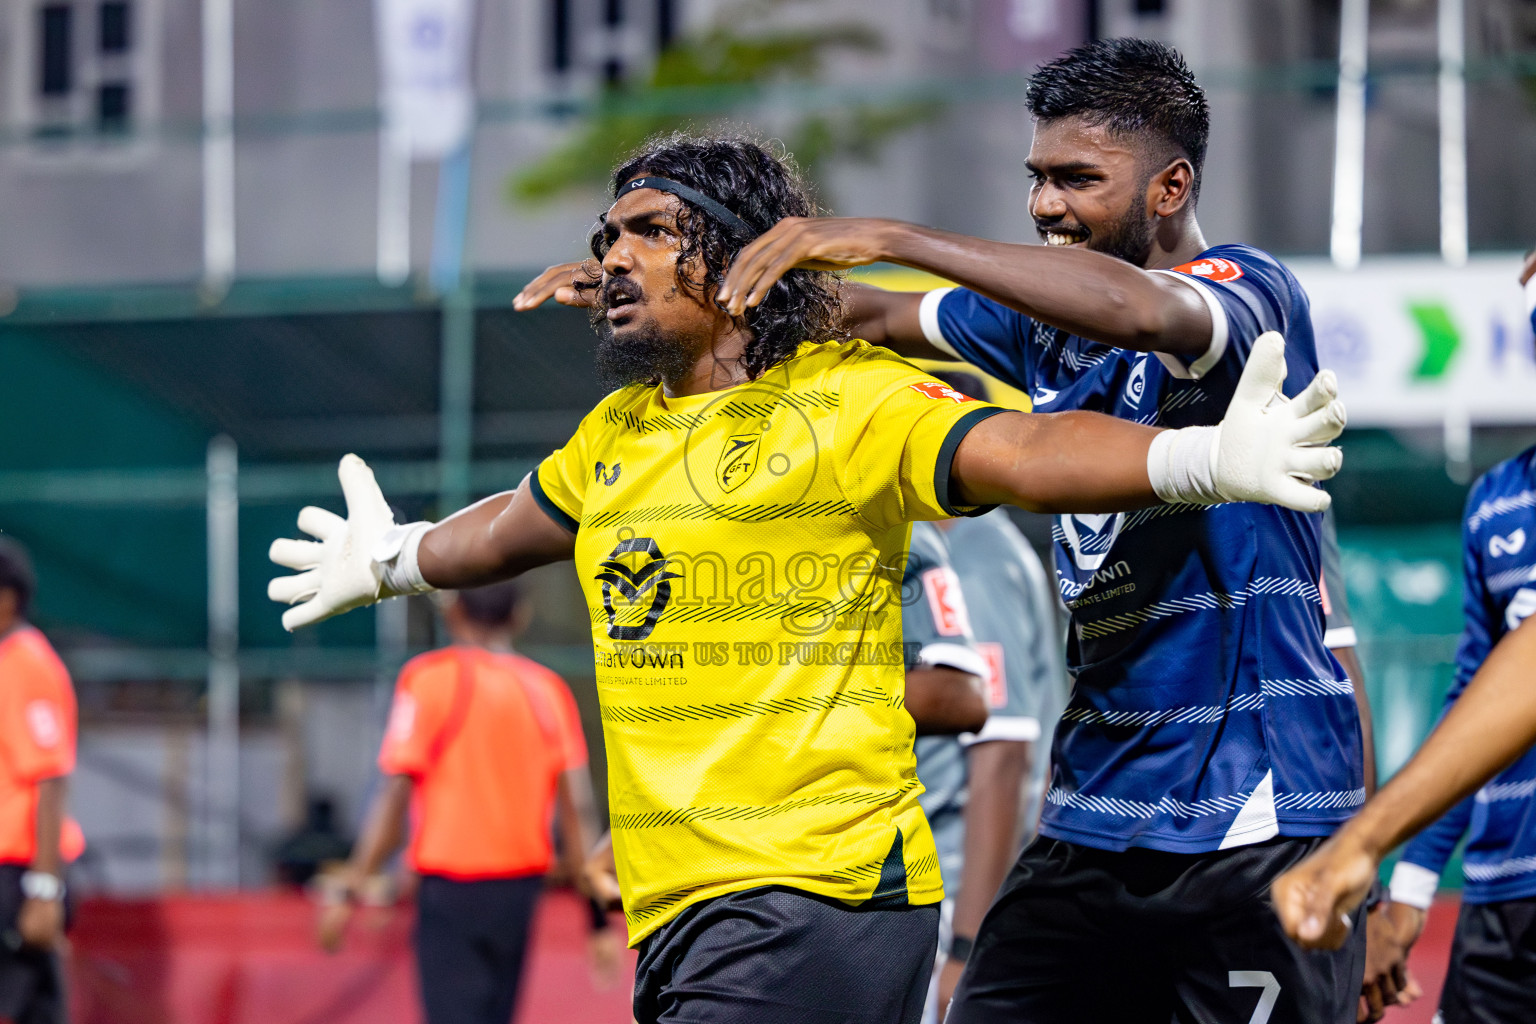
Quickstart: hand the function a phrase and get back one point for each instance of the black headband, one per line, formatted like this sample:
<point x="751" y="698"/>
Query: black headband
<point x="690" y="195"/>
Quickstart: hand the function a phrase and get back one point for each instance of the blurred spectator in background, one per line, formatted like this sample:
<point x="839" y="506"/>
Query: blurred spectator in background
<point x="37" y="839"/>
<point x="314" y="844"/>
<point x="483" y="747"/>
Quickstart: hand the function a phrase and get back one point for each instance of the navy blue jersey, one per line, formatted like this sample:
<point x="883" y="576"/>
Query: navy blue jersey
<point x="1499" y="557"/>
<point x="1207" y="712"/>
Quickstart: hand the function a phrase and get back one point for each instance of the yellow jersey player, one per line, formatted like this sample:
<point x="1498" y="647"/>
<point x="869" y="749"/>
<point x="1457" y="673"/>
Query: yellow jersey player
<point x="738" y="510"/>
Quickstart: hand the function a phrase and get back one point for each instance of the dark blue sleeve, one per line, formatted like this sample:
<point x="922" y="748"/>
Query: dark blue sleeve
<point x="989" y="335"/>
<point x="1432" y="847"/>
<point x="1255" y="293"/>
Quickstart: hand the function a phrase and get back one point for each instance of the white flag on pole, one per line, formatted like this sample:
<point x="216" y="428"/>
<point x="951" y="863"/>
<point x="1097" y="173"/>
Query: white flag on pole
<point x="425" y="58"/>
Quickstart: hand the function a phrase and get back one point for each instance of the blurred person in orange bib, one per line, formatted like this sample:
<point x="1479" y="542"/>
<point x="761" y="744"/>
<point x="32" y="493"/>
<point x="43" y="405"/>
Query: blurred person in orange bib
<point x="37" y="839"/>
<point x="483" y="749"/>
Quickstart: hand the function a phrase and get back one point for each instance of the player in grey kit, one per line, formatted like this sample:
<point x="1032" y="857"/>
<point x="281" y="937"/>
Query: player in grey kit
<point x="980" y="574"/>
<point x="1013" y="611"/>
<point x="936" y="630"/>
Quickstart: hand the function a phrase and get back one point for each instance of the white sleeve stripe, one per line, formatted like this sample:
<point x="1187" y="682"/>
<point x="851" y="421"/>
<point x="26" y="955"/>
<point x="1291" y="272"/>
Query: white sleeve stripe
<point x="1218" y="345"/>
<point x="957" y="656"/>
<point x="1413" y="885"/>
<point x="928" y="316"/>
<point x="1530" y="295"/>
<point x="1014" y="729"/>
<point x="1340" y="636"/>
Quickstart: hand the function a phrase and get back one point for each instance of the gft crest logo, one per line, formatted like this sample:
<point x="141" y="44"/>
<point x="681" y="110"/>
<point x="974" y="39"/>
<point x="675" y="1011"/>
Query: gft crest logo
<point x="1089" y="538"/>
<point x="738" y="460"/>
<point x="634" y="578"/>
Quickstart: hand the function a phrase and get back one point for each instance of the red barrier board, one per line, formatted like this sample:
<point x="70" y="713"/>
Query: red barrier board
<point x="252" y="959"/>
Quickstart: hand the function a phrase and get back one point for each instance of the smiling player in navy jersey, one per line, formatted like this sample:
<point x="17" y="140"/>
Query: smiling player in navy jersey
<point x="1211" y="740"/>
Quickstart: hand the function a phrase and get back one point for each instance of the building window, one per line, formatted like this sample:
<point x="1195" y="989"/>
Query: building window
<point x="92" y="70"/>
<point x="112" y="107"/>
<point x="592" y="42"/>
<point x="55" y="52"/>
<point x="560" y="35"/>
<point x="114" y="22"/>
<point x="666" y="23"/>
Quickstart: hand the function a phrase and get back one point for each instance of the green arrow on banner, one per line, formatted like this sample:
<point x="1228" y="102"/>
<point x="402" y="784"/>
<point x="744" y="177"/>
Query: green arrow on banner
<point x="1441" y="338"/>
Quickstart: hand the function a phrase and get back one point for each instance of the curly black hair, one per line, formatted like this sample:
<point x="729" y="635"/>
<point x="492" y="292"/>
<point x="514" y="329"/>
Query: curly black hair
<point x="762" y="189"/>
<point x="1131" y="87"/>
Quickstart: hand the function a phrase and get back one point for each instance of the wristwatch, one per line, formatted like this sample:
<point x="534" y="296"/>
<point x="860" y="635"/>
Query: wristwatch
<point x="40" y="885"/>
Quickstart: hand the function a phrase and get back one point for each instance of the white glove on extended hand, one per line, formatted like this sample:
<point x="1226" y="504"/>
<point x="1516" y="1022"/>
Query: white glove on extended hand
<point x="356" y="561"/>
<point x="1266" y="449"/>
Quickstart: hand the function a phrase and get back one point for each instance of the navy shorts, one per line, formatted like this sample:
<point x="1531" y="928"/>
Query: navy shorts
<point x="1492" y="976"/>
<point x="1145" y="937"/>
<point x="781" y="956"/>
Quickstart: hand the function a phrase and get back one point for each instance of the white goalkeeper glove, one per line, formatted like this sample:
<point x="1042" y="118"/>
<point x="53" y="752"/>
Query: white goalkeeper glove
<point x="1267" y="447"/>
<point x="355" y="561"/>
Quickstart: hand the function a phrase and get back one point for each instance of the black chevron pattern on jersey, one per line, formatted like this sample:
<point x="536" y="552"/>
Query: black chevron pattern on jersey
<point x="817" y="609"/>
<point x="660" y="904"/>
<point x="684" y="511"/>
<point x="743" y="709"/>
<point x="681" y="815"/>
<point x="734" y="410"/>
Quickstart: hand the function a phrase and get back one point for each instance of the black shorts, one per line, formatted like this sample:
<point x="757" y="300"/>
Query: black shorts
<point x="1492" y="977"/>
<point x="1144" y="937"/>
<point x="31" y="980"/>
<point x="471" y="937"/>
<point x="781" y="956"/>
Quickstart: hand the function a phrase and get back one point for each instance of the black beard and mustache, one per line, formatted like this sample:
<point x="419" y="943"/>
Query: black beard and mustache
<point x="1128" y="239"/>
<point x="645" y="356"/>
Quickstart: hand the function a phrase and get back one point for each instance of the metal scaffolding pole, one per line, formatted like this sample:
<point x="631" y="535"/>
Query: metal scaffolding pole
<point x="1451" y="31"/>
<point x="223" y="804"/>
<point x="454" y="280"/>
<point x="218" y="146"/>
<point x="393" y="260"/>
<point x="1349" y="136"/>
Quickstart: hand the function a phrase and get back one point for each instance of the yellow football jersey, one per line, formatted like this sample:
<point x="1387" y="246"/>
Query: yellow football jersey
<point x="741" y="553"/>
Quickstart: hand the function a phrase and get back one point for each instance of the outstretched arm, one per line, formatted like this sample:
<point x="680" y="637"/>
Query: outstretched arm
<point x="498" y="538"/>
<point x="874" y="314"/>
<point x="1086" y="293"/>
<point x="366" y="558"/>
<point x="891" y="319"/>
<point x="1086" y="462"/>
<point x="1491" y="724"/>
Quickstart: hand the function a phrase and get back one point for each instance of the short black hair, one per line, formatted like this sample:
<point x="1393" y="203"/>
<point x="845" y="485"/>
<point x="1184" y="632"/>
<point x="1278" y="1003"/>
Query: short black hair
<point x="16" y="573"/>
<point x="761" y="188"/>
<point x="494" y="605"/>
<point x="963" y="381"/>
<point x="1129" y="86"/>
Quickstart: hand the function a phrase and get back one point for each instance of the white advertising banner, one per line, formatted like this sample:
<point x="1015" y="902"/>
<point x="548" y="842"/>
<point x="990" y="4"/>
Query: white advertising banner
<point x="425" y="67"/>
<point x="1417" y="342"/>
